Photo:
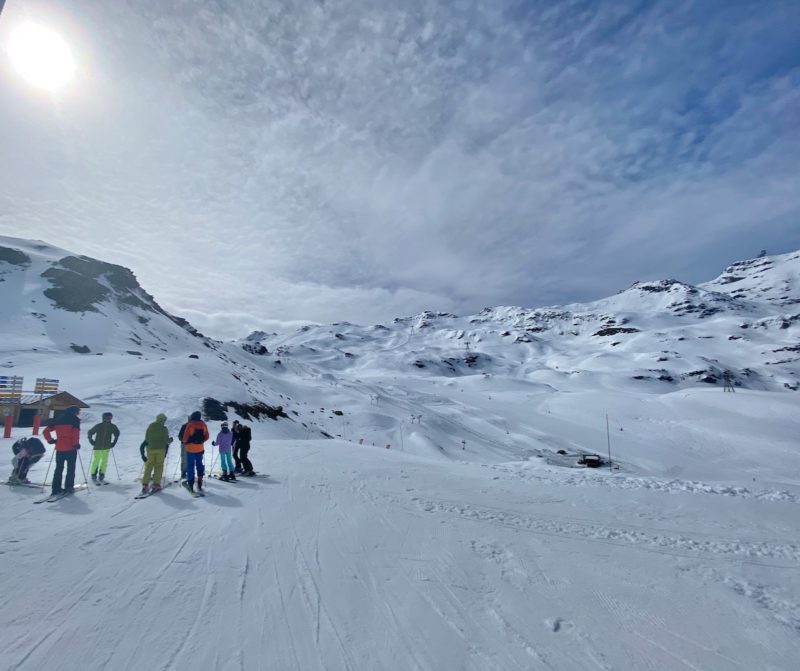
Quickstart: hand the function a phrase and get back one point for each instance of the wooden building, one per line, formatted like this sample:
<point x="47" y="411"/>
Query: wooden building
<point x="31" y="404"/>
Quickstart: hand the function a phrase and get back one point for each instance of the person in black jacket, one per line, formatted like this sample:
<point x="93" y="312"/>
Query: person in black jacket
<point x="183" y="448"/>
<point x="27" y="451"/>
<point x="243" y="444"/>
<point x="236" y="429"/>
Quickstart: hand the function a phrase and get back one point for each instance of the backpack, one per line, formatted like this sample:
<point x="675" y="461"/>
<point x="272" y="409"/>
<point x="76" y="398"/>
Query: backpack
<point x="198" y="437"/>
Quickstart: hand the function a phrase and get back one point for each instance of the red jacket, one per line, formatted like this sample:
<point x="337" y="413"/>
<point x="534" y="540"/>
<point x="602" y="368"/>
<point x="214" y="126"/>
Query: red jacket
<point x="68" y="435"/>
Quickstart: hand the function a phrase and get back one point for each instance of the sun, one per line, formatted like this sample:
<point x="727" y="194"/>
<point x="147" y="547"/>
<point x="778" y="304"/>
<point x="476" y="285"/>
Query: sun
<point x="41" y="56"/>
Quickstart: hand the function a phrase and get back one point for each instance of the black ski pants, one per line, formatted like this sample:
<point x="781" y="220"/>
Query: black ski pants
<point x="24" y="464"/>
<point x="69" y="459"/>
<point x="243" y="460"/>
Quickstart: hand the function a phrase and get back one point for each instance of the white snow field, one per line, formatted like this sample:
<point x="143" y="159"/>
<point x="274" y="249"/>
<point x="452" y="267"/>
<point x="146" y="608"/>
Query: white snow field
<point x="471" y="542"/>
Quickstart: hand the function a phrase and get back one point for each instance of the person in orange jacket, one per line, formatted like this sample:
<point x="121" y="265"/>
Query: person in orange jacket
<point x="67" y="428"/>
<point x="194" y="436"/>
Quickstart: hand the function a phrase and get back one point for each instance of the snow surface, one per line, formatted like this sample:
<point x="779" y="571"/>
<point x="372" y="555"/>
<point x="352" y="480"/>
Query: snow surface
<point x="470" y="543"/>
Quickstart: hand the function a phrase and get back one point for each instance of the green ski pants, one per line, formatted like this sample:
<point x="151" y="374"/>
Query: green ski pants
<point x="99" y="461"/>
<point x="153" y="466"/>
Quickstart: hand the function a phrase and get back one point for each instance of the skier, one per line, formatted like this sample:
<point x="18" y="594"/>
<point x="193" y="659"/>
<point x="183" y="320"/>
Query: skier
<point x="156" y="440"/>
<point x="223" y="442"/>
<point x="67" y="441"/>
<point x="235" y="429"/>
<point x="183" y="449"/>
<point x="243" y="442"/>
<point x="195" y="435"/>
<point x="27" y="451"/>
<point x="103" y="437"/>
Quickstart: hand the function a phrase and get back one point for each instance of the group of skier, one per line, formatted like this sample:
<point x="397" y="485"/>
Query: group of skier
<point x="64" y="433"/>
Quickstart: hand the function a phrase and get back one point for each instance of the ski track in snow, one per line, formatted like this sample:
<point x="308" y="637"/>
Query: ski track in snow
<point x="684" y="544"/>
<point x="618" y="481"/>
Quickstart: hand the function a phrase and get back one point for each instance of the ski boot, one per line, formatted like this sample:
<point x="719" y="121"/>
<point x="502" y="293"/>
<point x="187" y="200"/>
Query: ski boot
<point x="94" y="476"/>
<point x="145" y="489"/>
<point x="101" y="476"/>
<point x="155" y="489"/>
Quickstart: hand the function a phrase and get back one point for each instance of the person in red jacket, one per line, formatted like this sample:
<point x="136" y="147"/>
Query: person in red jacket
<point x="194" y="436"/>
<point x="67" y="441"/>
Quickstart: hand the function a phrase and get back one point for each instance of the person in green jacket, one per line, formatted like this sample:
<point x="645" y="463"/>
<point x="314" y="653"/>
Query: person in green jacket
<point x="103" y="437"/>
<point x="156" y="440"/>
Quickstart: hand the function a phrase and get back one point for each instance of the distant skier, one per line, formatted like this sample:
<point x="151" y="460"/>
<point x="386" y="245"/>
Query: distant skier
<point x="103" y="437"/>
<point x="27" y="451"/>
<point x="223" y="442"/>
<point x="235" y="430"/>
<point x="156" y="441"/>
<point x="243" y="442"/>
<point x="195" y="435"/>
<point x="67" y="428"/>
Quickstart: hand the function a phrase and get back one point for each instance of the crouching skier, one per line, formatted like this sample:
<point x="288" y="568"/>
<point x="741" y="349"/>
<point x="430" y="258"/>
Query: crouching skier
<point x="195" y="435"/>
<point x="27" y="451"/>
<point x="156" y="441"/>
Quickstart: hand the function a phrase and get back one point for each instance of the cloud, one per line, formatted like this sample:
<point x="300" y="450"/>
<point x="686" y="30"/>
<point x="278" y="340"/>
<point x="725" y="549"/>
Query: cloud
<point x="253" y="162"/>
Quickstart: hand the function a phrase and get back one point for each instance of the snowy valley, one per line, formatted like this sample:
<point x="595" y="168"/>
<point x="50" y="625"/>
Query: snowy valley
<point x="426" y="507"/>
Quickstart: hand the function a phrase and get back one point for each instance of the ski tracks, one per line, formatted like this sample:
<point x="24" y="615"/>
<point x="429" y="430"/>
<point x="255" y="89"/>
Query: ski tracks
<point x="684" y="544"/>
<point x="619" y="481"/>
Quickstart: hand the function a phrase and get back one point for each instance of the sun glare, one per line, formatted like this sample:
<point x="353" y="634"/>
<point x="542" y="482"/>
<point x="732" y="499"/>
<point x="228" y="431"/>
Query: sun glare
<point x="41" y="56"/>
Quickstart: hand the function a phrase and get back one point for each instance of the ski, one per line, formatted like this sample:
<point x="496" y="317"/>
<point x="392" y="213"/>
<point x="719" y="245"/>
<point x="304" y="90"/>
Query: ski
<point x="56" y="497"/>
<point x="219" y="477"/>
<point x="150" y="491"/>
<point x="32" y="485"/>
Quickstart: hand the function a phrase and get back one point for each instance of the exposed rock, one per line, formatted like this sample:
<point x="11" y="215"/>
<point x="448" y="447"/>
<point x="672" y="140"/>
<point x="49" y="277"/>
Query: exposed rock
<point x="14" y="257"/>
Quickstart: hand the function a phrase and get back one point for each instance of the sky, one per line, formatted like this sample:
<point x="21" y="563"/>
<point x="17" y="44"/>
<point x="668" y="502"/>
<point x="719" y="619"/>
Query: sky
<point x="261" y="164"/>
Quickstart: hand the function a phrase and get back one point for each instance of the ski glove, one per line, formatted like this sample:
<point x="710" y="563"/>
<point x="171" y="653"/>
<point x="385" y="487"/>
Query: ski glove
<point x="76" y="447"/>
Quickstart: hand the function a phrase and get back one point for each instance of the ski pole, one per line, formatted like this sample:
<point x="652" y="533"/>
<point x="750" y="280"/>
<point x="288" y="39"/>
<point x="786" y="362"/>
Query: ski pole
<point x="85" y="479"/>
<point x="49" y="463"/>
<point x="177" y="466"/>
<point x="115" y="464"/>
<point x="213" y="462"/>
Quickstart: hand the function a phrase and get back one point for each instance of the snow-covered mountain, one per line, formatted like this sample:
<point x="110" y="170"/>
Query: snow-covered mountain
<point x="664" y="334"/>
<point x="475" y="541"/>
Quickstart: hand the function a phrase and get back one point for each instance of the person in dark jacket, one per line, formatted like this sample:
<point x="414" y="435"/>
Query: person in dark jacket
<point x="27" y="451"/>
<point x="183" y="449"/>
<point x="244" y="447"/>
<point x="67" y="441"/>
<point x="236" y="428"/>
<point x="103" y="437"/>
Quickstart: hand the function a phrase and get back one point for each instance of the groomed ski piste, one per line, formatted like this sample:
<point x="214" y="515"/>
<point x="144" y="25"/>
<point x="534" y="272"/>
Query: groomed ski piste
<point x="468" y="543"/>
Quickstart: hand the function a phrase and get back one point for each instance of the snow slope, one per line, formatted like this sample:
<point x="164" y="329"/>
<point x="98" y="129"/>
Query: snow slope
<point x="471" y="543"/>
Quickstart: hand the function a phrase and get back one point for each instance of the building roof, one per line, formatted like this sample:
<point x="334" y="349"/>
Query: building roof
<point x="62" y="399"/>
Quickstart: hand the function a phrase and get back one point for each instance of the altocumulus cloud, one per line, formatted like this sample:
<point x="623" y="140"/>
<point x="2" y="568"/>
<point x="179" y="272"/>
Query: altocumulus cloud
<point x="259" y="162"/>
